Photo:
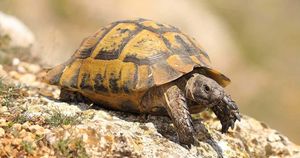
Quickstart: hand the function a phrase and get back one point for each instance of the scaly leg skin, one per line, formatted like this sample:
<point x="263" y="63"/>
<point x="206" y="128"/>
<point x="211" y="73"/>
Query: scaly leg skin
<point x="178" y="111"/>
<point x="227" y="112"/>
<point x="204" y="136"/>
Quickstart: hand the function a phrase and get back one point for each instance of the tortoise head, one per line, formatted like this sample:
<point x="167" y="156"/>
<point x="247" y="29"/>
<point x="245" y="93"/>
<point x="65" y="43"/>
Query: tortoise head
<point x="206" y="92"/>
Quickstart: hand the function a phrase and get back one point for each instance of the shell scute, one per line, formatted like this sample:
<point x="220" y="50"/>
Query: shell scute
<point x="144" y="48"/>
<point x="85" y="82"/>
<point x="129" y="77"/>
<point x="100" y="85"/>
<point x="113" y="75"/>
<point x="113" y="42"/>
<point x="70" y="75"/>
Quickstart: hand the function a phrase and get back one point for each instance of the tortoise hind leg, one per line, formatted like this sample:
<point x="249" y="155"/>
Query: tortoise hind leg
<point x="178" y="111"/>
<point x="71" y="96"/>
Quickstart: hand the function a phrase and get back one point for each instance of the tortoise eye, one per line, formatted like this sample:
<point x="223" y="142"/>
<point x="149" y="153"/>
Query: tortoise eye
<point x="206" y="88"/>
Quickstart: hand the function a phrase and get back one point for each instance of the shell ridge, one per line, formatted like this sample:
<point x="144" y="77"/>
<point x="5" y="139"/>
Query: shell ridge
<point x="199" y="49"/>
<point x="174" y="52"/>
<point x="111" y="55"/>
<point x="148" y="60"/>
<point x="158" y="31"/>
<point x="130" y="37"/>
<point x="100" y="38"/>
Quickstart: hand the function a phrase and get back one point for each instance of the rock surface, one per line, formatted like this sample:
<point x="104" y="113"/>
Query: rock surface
<point x="34" y="123"/>
<point x="14" y="32"/>
<point x="16" y="39"/>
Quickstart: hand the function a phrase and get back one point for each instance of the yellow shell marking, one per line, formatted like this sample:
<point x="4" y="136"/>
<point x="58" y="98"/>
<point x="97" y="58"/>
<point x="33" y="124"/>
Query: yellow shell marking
<point x="176" y="63"/>
<point x="195" y="59"/>
<point x="150" y="24"/>
<point x="86" y="68"/>
<point x="171" y="38"/>
<point x="144" y="44"/>
<point x="69" y="74"/>
<point x="114" y="38"/>
<point x="205" y="60"/>
<point x="112" y="74"/>
<point x="154" y="25"/>
<point x="144" y="74"/>
<point x="163" y="73"/>
<point x="86" y="44"/>
<point x="128" y="75"/>
<point x="102" y="30"/>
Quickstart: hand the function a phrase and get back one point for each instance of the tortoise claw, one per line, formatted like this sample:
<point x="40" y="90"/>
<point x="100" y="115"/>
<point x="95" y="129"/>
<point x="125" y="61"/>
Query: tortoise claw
<point x="237" y="116"/>
<point x="232" y="124"/>
<point x="224" y="128"/>
<point x="227" y="112"/>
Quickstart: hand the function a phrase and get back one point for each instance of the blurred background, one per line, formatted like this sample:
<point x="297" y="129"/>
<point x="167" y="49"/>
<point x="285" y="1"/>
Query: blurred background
<point x="256" y="43"/>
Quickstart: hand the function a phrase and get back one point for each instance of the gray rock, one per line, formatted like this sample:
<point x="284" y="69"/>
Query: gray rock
<point x="60" y="129"/>
<point x="118" y="134"/>
<point x="13" y="33"/>
<point x="15" y="38"/>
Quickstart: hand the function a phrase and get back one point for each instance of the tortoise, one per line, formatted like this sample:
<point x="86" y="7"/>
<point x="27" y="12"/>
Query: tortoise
<point x="141" y="66"/>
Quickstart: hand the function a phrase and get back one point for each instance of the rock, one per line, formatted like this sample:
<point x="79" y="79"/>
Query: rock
<point x="3" y="122"/>
<point x="15" y="75"/>
<point x="2" y="132"/>
<point x="29" y="137"/>
<point x="28" y="78"/>
<point x="26" y="125"/>
<point x="16" y="141"/>
<point x="17" y="126"/>
<point x="120" y="134"/>
<point x="39" y="130"/>
<point x="16" y="39"/>
<point x="13" y="33"/>
<point x="15" y="61"/>
<point x="83" y="130"/>
<point x="31" y="68"/>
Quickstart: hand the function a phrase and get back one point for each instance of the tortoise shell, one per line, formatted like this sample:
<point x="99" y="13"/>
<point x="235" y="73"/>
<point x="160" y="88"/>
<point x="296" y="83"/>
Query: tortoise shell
<point x="129" y="57"/>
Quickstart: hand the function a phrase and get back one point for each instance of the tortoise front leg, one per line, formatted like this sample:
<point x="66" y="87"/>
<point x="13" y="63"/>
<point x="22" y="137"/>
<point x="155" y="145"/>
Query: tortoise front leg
<point x="178" y="111"/>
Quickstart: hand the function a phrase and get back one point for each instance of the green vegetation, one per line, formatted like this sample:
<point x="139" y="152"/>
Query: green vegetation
<point x="70" y="148"/>
<point x="27" y="146"/>
<point x="8" y="93"/>
<point x="20" y="118"/>
<point x="57" y="119"/>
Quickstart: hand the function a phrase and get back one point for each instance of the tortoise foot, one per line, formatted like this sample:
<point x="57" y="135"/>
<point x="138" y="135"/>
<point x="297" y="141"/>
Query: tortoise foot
<point x="227" y="112"/>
